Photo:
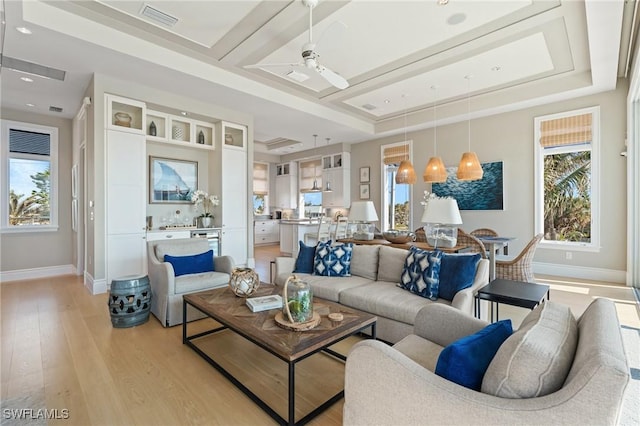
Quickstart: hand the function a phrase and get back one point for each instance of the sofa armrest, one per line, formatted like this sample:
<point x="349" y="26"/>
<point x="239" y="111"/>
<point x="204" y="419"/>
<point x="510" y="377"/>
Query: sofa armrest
<point x="223" y="264"/>
<point x="463" y="299"/>
<point x="161" y="276"/>
<point x="284" y="265"/>
<point x="443" y="324"/>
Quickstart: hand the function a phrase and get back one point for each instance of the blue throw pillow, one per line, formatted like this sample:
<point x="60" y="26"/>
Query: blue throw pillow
<point x="306" y="256"/>
<point x="193" y="264"/>
<point x="421" y="271"/>
<point x="457" y="272"/>
<point x="465" y="361"/>
<point x="333" y="261"/>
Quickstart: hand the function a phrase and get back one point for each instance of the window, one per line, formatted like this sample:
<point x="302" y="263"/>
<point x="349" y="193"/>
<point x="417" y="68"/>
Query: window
<point x="311" y="187"/>
<point x="30" y="161"/>
<point x="567" y="179"/>
<point x="260" y="188"/>
<point x="396" y="201"/>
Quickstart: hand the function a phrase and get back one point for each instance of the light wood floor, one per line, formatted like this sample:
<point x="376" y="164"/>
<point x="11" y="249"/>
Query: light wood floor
<point x="57" y="340"/>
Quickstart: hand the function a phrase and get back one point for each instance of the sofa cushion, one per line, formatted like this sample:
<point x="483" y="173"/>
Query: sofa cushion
<point x="191" y="264"/>
<point x="330" y="287"/>
<point x="306" y="257"/>
<point x="457" y="272"/>
<point x="387" y="300"/>
<point x="465" y="361"/>
<point x="390" y="264"/>
<point x="195" y="282"/>
<point x="420" y="272"/>
<point x="364" y="261"/>
<point x="536" y="359"/>
<point x="333" y="260"/>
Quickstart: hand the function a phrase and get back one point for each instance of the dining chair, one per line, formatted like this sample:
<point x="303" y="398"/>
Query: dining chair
<point x="473" y="244"/>
<point x="484" y="232"/>
<point x="323" y="232"/>
<point x="520" y="268"/>
<point x="341" y="228"/>
<point x="421" y="236"/>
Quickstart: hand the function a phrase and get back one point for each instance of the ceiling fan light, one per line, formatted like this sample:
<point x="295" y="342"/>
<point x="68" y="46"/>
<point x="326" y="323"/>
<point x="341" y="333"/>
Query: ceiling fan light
<point x="435" y="171"/>
<point x="405" y="173"/>
<point x="469" y="167"/>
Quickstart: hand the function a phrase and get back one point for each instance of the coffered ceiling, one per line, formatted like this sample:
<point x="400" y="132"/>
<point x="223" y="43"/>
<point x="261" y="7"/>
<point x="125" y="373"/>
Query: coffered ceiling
<point x="400" y="58"/>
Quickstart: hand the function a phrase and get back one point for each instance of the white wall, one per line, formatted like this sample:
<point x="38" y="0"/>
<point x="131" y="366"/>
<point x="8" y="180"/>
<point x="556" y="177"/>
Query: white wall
<point x="509" y="138"/>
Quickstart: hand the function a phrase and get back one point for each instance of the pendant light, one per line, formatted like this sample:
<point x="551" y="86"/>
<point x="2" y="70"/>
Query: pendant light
<point x="405" y="173"/>
<point x="327" y="187"/>
<point x="469" y="167"/>
<point x="315" y="187"/>
<point x="435" y="170"/>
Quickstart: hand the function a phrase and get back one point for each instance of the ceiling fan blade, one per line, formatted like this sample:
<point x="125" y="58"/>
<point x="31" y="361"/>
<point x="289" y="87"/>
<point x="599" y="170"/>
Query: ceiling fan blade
<point x="333" y="78"/>
<point x="284" y="64"/>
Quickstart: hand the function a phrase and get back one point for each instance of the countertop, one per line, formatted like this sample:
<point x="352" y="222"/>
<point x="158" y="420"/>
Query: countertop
<point x="299" y="222"/>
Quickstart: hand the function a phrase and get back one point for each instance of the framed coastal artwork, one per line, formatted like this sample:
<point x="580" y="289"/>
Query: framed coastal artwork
<point x="364" y="174"/>
<point x="172" y="181"/>
<point x="364" y="191"/>
<point x="484" y="194"/>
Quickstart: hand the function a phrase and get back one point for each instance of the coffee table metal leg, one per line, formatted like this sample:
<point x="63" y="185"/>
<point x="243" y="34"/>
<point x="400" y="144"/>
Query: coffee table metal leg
<point x="292" y="393"/>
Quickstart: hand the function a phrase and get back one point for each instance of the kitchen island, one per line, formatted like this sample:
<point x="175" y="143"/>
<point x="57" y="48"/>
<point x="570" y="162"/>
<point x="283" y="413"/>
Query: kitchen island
<point x="292" y="231"/>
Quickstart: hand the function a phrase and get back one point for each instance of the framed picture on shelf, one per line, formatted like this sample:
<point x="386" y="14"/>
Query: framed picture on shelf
<point x="364" y="191"/>
<point x="364" y="174"/>
<point x="172" y="181"/>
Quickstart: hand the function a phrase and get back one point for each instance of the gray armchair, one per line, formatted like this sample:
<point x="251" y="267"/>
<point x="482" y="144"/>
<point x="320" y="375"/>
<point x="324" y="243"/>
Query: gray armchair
<point x="396" y="385"/>
<point x="167" y="289"/>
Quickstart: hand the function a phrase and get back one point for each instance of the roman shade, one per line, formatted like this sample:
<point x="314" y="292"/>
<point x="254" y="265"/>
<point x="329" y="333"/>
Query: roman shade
<point x="395" y="154"/>
<point x="310" y="172"/>
<point x="260" y="179"/>
<point x="573" y="130"/>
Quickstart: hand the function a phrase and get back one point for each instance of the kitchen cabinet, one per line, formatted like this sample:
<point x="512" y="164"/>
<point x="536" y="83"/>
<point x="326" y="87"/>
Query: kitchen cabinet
<point x="266" y="232"/>
<point x="234" y="204"/>
<point x="338" y="175"/>
<point x="286" y="186"/>
<point x="290" y="235"/>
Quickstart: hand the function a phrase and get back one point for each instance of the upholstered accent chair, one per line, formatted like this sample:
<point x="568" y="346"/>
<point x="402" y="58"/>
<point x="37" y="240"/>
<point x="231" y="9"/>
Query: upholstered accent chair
<point x="474" y="244"/>
<point x="167" y="289"/>
<point x="519" y="268"/>
<point x="397" y="385"/>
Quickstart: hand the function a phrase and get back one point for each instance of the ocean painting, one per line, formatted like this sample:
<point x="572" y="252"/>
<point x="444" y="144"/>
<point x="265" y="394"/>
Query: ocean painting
<point x="172" y="181"/>
<point x="484" y="194"/>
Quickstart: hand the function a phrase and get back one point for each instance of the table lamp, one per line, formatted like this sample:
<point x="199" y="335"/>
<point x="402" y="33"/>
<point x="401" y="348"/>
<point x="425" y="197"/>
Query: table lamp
<point x="363" y="213"/>
<point x="441" y="216"/>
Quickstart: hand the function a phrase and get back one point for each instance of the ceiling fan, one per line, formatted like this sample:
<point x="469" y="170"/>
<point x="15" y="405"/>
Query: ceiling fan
<point x="310" y="56"/>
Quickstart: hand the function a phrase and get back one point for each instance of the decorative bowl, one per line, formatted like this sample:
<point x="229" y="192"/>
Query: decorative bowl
<point x="398" y="237"/>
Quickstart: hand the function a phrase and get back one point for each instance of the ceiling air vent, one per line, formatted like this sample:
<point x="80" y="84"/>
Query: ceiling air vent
<point x="55" y="109"/>
<point x="369" y="107"/>
<point x="158" y="16"/>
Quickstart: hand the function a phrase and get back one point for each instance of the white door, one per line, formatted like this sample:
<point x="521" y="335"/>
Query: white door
<point x="234" y="204"/>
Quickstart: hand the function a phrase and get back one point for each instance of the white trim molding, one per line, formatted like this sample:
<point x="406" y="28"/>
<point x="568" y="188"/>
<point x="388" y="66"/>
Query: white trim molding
<point x="34" y="273"/>
<point x="95" y="286"/>
<point x="580" y="272"/>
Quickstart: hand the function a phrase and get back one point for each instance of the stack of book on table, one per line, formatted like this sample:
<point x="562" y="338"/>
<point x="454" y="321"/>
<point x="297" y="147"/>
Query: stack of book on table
<point x="264" y="303"/>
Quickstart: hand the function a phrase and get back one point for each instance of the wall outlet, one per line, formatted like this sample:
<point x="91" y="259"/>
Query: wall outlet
<point x="568" y="255"/>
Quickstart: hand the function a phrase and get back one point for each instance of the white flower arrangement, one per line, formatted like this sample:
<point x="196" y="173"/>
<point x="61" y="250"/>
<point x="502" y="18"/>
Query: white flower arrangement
<point x="208" y="202"/>
<point x="426" y="197"/>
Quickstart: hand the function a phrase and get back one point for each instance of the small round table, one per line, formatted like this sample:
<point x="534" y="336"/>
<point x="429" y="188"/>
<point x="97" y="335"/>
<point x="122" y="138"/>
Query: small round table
<point x="130" y="301"/>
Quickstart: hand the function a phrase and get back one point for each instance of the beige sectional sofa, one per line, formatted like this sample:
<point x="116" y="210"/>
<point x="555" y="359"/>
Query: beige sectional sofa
<point x="372" y="287"/>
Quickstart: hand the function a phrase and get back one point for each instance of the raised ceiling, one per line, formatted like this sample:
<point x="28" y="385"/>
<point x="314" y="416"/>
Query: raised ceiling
<point x="398" y="57"/>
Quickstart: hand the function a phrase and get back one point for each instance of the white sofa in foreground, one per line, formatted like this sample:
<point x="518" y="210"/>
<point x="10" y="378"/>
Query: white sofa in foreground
<point x="372" y="287"/>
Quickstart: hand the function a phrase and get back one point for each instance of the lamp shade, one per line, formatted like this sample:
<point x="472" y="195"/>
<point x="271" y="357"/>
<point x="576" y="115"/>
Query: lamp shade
<point x="405" y="173"/>
<point x="435" y="171"/>
<point x="363" y="211"/>
<point x="443" y="211"/>
<point x="469" y="167"/>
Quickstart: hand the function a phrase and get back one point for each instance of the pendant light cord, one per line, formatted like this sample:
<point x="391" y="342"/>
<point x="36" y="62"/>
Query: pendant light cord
<point x="435" y="123"/>
<point x="468" y="77"/>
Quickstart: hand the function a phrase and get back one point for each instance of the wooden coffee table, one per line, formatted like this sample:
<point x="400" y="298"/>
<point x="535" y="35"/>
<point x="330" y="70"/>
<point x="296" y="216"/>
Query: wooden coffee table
<point x="260" y="328"/>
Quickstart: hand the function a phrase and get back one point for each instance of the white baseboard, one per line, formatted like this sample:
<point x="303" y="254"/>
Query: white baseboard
<point x="581" y="272"/>
<point x="94" y="286"/>
<point x="34" y="273"/>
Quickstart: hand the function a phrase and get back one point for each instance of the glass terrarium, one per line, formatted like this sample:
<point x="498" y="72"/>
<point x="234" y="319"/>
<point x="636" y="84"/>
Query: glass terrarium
<point x="445" y="236"/>
<point x="299" y="301"/>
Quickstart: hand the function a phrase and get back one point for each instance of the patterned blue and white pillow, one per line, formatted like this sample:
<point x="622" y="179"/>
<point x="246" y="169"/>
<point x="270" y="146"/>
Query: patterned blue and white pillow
<point x="333" y="261"/>
<point x="420" y="274"/>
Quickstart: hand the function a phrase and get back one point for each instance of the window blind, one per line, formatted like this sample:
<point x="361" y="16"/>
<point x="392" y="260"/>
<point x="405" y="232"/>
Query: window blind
<point x="24" y="142"/>
<point x="572" y="130"/>
<point x="260" y="179"/>
<point x="309" y="171"/>
<point x="395" y="154"/>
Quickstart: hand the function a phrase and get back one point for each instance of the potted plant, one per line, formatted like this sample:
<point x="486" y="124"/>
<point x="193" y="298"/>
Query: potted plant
<point x="208" y="202"/>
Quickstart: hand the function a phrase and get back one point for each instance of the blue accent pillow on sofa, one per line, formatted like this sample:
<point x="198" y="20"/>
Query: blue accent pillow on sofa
<point x="466" y="360"/>
<point x="420" y="274"/>
<point x="457" y="272"/>
<point x="306" y="256"/>
<point x="333" y="261"/>
<point x="193" y="264"/>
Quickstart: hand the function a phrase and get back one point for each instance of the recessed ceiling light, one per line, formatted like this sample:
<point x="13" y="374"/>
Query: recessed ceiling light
<point x="443" y="2"/>
<point x="184" y="114"/>
<point x="27" y="79"/>
<point x="31" y="105"/>
<point x="387" y="101"/>
<point x="456" y="18"/>
<point x="496" y="68"/>
<point x="23" y="30"/>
